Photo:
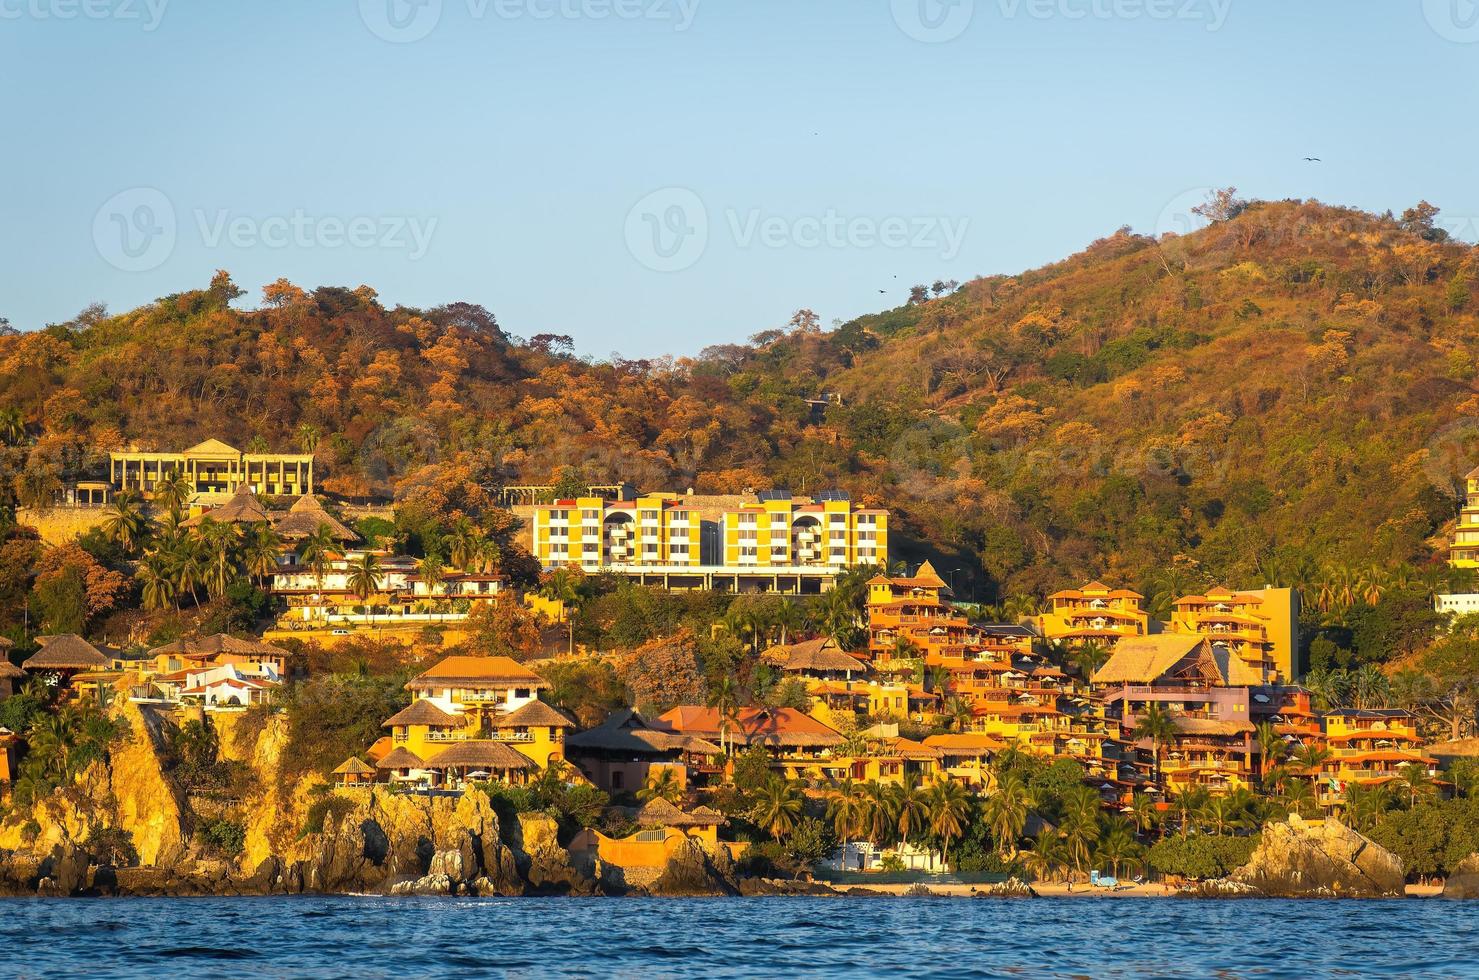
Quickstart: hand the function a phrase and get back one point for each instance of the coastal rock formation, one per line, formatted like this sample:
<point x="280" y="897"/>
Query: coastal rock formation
<point x="1309" y="859"/>
<point x="694" y="872"/>
<point x="148" y="805"/>
<point x="1011" y="888"/>
<point x="1464" y="881"/>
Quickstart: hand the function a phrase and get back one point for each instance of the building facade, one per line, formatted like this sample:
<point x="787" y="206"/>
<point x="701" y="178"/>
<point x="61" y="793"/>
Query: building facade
<point x="214" y="470"/>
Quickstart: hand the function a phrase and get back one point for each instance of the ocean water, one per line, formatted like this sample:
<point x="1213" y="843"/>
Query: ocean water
<point x="366" y="938"/>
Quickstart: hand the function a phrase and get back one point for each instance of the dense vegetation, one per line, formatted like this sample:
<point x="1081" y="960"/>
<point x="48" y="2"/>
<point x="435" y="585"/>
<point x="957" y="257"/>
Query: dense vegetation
<point x="1293" y="383"/>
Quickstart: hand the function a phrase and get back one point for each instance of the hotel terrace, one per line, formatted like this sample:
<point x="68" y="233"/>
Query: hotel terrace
<point x="770" y="542"/>
<point x="215" y="471"/>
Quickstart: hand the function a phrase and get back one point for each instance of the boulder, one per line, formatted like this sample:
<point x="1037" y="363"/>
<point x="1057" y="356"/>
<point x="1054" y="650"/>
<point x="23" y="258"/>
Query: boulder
<point x="1319" y="858"/>
<point x="692" y="871"/>
<point x="1011" y="888"/>
<point x="1463" y="882"/>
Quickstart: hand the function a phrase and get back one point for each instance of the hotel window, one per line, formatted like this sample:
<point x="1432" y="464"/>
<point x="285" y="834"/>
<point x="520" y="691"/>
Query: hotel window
<point x="748" y="519"/>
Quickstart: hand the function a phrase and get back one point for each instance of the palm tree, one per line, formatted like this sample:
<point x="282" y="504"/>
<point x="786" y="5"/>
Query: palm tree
<point x="173" y="491"/>
<point x="662" y="785"/>
<point x="790" y="618"/>
<point x="1416" y="782"/>
<point x="1143" y="812"/>
<point x="1298" y="797"/>
<point x="158" y="589"/>
<point x="261" y="550"/>
<point x="1090" y="657"/>
<point x="958" y="713"/>
<point x="1117" y="846"/>
<point x="462" y="541"/>
<point x="562" y="586"/>
<point x="1156" y="724"/>
<point x="779" y="807"/>
<point x="219" y="540"/>
<point x="432" y="573"/>
<point x="847" y="808"/>
<point x="724" y="697"/>
<point x="308" y="437"/>
<point x="1221" y="814"/>
<point x="879" y="821"/>
<point x="1311" y="759"/>
<point x="123" y="521"/>
<point x="1080" y="833"/>
<point x="12" y="426"/>
<point x="949" y="812"/>
<point x="1006" y="812"/>
<point x="1271" y="747"/>
<point x="1190" y="808"/>
<point x="911" y="807"/>
<point x="365" y="577"/>
<point x="1046" y="855"/>
<point x="316" y="552"/>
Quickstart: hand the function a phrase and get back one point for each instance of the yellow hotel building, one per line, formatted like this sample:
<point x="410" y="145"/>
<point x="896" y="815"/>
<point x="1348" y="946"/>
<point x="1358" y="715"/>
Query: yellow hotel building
<point x="1464" y="552"/>
<point x="1261" y="626"/>
<point x="771" y="542"/>
<point x="215" y="470"/>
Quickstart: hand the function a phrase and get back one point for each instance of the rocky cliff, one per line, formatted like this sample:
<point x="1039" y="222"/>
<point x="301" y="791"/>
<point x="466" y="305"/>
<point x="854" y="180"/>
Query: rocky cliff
<point x="1311" y="859"/>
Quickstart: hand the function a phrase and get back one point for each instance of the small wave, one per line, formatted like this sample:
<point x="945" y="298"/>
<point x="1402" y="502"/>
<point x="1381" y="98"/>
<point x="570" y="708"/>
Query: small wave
<point x="207" y="953"/>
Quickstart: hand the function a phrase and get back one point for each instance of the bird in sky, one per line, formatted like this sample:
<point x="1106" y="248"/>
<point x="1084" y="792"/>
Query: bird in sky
<point x="1312" y="160"/>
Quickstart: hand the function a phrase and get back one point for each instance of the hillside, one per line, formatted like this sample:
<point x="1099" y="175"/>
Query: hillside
<point x="1293" y="385"/>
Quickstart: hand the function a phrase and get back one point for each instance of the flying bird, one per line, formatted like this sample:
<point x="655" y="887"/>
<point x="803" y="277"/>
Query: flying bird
<point x="1312" y="160"/>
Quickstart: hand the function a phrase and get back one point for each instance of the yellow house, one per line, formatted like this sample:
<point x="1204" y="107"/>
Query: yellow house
<point x="1261" y="627"/>
<point x="1095" y="613"/>
<point x="485" y="699"/>
<point x="215" y="471"/>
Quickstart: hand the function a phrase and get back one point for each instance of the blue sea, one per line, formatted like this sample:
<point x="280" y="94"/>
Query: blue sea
<point x="713" y="939"/>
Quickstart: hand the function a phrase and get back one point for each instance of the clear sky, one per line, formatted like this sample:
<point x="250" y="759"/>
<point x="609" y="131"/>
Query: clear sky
<point x="653" y="176"/>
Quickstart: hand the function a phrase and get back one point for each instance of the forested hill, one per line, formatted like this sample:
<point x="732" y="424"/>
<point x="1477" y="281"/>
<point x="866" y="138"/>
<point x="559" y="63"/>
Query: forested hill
<point x="1293" y="384"/>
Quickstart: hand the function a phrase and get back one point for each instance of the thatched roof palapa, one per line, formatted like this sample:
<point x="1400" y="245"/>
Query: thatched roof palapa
<point x="480" y="754"/>
<point x="401" y="758"/>
<point x="306" y="516"/>
<point x="627" y="732"/>
<point x="67" y="651"/>
<point x="660" y="813"/>
<point x="819" y="654"/>
<point x="535" y="714"/>
<point x="353" y="766"/>
<point x="208" y="646"/>
<point x="422" y="712"/>
<point x="242" y="508"/>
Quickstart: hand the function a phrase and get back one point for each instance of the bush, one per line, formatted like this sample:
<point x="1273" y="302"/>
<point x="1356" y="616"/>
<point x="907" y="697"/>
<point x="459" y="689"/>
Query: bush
<point x="112" y="846"/>
<point x="321" y="809"/>
<point x="810" y="842"/>
<point x="1201" y="856"/>
<point x="221" y="837"/>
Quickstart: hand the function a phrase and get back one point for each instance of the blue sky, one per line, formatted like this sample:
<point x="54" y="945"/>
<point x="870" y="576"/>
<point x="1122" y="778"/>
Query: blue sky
<point x="677" y="173"/>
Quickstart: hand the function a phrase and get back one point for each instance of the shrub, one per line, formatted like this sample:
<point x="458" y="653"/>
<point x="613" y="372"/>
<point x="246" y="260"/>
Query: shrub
<point x="321" y="809"/>
<point x="221" y="837"/>
<point x="1201" y="856"/>
<point x="112" y="846"/>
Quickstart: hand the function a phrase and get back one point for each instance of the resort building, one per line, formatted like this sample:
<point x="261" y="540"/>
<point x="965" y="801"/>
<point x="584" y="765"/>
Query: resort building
<point x="1260" y="627"/>
<point x="799" y="744"/>
<point x="478" y="699"/>
<point x="1094" y="614"/>
<point x="1370" y="747"/>
<point x="1206" y="691"/>
<point x="626" y="753"/>
<point x="1463" y="551"/>
<point x="214" y="470"/>
<point x="770" y="542"/>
